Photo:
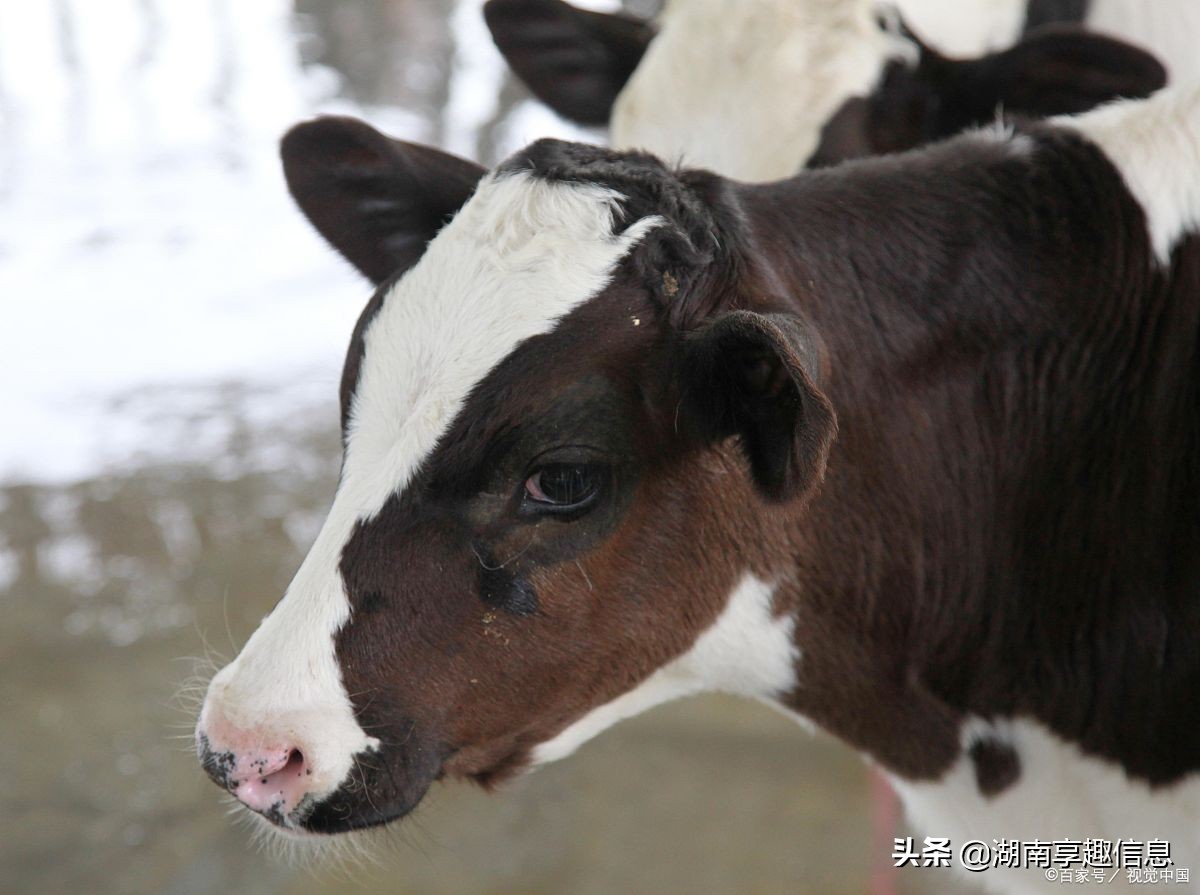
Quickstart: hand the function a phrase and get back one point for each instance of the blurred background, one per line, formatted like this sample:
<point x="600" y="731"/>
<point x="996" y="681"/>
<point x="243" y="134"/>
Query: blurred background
<point x="171" y="333"/>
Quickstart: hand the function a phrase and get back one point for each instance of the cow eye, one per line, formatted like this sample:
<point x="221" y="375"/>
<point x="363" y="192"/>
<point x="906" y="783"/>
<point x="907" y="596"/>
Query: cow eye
<point x="561" y="488"/>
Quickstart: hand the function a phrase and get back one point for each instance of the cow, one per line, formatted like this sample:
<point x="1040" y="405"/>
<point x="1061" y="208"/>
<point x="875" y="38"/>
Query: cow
<point x="760" y="88"/>
<point x="908" y="447"/>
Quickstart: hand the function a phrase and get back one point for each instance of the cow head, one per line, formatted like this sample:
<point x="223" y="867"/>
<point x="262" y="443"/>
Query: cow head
<point x="571" y="412"/>
<point x="1053" y="70"/>
<point x="760" y="88"/>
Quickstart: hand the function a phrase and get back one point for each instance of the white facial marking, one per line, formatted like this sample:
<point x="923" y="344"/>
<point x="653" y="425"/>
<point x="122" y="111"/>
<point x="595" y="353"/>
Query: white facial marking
<point x="286" y="685"/>
<point x="521" y="254"/>
<point x="517" y="257"/>
<point x="748" y="650"/>
<point x="745" y="88"/>
<point x="1155" y="144"/>
<point x="1061" y="794"/>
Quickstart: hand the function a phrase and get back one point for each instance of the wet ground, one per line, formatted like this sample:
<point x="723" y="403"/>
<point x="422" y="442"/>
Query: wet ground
<point x="169" y="351"/>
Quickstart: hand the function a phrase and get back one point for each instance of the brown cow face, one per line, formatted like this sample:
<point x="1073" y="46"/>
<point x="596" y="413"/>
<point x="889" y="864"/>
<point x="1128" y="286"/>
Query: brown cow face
<point x="540" y="527"/>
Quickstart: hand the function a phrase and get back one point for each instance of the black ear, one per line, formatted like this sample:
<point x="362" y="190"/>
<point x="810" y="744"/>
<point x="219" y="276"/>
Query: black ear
<point x="752" y="375"/>
<point x="376" y="200"/>
<point x="1058" y="70"/>
<point x="573" y="60"/>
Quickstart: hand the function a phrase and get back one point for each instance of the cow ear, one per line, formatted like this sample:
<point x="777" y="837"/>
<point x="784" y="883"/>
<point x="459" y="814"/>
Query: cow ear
<point x="574" y="60"/>
<point x="1062" y="70"/>
<point x="378" y="201"/>
<point x="752" y="375"/>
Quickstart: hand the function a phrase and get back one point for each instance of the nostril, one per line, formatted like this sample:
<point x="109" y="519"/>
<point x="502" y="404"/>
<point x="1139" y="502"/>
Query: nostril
<point x="296" y="763"/>
<point x="277" y="784"/>
<point x="266" y="762"/>
<point x="293" y="766"/>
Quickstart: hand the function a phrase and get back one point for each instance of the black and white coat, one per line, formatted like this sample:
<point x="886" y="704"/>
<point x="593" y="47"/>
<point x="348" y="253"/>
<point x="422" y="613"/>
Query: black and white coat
<point x="908" y="447"/>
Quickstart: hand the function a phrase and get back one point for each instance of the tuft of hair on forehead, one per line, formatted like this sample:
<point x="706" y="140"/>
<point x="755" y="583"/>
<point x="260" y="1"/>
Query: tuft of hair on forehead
<point x="514" y="215"/>
<point x="646" y="185"/>
<point x="700" y="218"/>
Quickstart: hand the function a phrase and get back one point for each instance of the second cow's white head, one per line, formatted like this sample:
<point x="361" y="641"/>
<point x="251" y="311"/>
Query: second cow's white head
<point x="758" y="89"/>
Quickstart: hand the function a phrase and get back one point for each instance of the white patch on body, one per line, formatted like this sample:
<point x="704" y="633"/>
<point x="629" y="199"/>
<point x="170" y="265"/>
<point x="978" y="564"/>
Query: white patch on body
<point x="745" y="88"/>
<point x="1061" y="794"/>
<point x="1155" y="144"/>
<point x="748" y="651"/>
<point x="517" y="257"/>
<point x="965" y="28"/>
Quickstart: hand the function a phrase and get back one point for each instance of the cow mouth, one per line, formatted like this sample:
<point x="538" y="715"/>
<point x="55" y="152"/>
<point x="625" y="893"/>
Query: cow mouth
<point x="363" y="802"/>
<point x="353" y="806"/>
<point x="356" y="807"/>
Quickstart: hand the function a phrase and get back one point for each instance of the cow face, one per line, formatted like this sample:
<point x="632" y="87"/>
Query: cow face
<point x="544" y="522"/>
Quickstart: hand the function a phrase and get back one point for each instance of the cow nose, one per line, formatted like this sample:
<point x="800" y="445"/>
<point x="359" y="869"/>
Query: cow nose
<point x="271" y="780"/>
<point x="276" y="783"/>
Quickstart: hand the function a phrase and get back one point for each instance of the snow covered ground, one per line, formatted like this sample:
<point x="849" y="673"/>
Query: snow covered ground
<point x="155" y="279"/>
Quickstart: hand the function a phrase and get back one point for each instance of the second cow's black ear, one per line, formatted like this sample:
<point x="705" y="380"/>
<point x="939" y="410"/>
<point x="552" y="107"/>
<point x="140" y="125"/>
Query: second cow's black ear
<point x="752" y="375"/>
<point x="574" y="60"/>
<point x="378" y="201"/>
<point x="1055" y="70"/>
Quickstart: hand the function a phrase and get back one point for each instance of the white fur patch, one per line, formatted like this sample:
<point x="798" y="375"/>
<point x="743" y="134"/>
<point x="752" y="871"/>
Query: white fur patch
<point x="285" y="685"/>
<point x="1155" y="144"/>
<point x="1003" y="132"/>
<point x="964" y="28"/>
<point x="1168" y="28"/>
<point x="745" y="88"/>
<point x="1060" y="794"/>
<point x="517" y="257"/>
<point x="748" y="650"/>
